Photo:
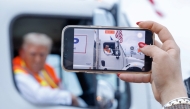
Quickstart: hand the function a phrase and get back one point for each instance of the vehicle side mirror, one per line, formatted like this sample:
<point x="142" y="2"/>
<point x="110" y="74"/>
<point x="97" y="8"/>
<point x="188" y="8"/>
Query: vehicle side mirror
<point x="103" y="17"/>
<point x="119" y="53"/>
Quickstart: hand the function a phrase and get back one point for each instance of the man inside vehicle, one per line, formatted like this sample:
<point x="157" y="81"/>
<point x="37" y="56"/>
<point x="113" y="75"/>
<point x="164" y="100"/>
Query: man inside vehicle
<point x="35" y="79"/>
<point x="108" y="50"/>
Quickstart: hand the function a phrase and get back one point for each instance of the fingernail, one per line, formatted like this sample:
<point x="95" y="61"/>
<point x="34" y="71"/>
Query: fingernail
<point x="141" y="44"/>
<point x="138" y="22"/>
<point x="118" y="75"/>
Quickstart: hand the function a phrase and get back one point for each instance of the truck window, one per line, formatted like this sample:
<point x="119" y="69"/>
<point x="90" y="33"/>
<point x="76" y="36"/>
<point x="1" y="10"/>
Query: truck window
<point x="111" y="49"/>
<point x="74" y="86"/>
<point x="52" y="26"/>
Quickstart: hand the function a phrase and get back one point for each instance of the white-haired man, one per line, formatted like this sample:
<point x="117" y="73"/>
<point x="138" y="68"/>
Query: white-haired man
<point x="36" y="80"/>
<point x="108" y="50"/>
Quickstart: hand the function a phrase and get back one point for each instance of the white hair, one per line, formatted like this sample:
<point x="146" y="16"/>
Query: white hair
<point x="37" y="39"/>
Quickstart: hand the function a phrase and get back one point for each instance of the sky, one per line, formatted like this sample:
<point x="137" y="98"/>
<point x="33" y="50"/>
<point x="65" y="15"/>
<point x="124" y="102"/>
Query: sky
<point x="176" y="18"/>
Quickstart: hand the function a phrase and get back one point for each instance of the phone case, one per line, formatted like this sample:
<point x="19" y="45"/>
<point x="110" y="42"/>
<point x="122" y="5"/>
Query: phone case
<point x="96" y="71"/>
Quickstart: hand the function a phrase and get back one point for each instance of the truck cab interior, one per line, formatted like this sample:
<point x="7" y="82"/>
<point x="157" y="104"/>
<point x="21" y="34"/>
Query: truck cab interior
<point x="83" y="85"/>
<point x="114" y="47"/>
<point x="52" y="26"/>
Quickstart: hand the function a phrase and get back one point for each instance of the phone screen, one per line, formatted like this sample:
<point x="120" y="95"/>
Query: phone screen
<point x="109" y="49"/>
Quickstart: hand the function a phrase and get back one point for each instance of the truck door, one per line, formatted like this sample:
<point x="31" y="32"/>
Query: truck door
<point x="110" y="56"/>
<point x="122" y="89"/>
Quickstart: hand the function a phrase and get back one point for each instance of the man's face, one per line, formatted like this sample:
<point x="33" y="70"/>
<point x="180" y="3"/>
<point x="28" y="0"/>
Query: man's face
<point x="34" y="56"/>
<point x="107" y="46"/>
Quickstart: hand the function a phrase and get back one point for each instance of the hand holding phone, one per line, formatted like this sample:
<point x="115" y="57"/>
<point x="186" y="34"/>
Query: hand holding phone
<point x="166" y="77"/>
<point x="105" y="49"/>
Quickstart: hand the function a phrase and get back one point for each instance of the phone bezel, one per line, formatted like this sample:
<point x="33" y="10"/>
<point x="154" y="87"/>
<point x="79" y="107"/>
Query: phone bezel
<point x="148" y="60"/>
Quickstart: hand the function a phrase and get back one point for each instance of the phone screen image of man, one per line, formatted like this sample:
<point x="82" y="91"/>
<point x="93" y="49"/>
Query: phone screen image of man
<point x="101" y="49"/>
<point x="108" y="50"/>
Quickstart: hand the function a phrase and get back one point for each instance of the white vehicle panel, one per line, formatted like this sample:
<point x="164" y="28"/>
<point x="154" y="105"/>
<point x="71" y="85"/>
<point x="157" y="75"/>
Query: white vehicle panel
<point x="9" y="10"/>
<point x="83" y="49"/>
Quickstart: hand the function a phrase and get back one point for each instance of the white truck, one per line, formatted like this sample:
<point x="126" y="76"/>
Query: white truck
<point x="89" y="53"/>
<point x="19" y="17"/>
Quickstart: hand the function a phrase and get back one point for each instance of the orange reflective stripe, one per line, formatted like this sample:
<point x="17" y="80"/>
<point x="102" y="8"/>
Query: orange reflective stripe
<point x="18" y="66"/>
<point x="108" y="50"/>
<point x="49" y="80"/>
<point x="18" y="70"/>
<point x="17" y="61"/>
<point x="40" y="80"/>
<point x="52" y="73"/>
<point x="43" y="83"/>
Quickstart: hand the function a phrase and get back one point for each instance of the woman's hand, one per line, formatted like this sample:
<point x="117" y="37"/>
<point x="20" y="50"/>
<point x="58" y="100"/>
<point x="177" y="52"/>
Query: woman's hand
<point x="166" y="78"/>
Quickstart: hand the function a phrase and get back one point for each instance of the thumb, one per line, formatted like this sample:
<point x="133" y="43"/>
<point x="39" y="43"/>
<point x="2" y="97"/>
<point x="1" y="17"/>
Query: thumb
<point x="150" y="50"/>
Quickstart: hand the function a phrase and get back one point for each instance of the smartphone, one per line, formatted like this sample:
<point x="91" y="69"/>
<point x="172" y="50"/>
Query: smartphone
<point x="105" y="49"/>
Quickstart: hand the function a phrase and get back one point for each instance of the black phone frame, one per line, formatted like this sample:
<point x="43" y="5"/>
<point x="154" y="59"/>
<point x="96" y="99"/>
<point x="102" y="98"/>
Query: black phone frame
<point x="68" y="45"/>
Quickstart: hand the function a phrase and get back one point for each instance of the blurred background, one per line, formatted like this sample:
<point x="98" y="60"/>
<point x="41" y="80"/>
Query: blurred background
<point x="102" y="91"/>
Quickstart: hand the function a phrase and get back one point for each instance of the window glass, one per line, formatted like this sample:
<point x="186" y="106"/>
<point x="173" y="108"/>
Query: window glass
<point x="111" y="49"/>
<point x="69" y="79"/>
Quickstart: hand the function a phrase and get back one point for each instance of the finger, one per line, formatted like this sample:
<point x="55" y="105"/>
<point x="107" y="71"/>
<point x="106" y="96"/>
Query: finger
<point x="158" y="44"/>
<point x="136" y="78"/>
<point x="153" y="51"/>
<point x="172" y="45"/>
<point x="159" y="29"/>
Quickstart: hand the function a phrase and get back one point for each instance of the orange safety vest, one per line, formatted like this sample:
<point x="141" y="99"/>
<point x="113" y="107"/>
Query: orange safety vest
<point x="108" y="50"/>
<point x="49" y="76"/>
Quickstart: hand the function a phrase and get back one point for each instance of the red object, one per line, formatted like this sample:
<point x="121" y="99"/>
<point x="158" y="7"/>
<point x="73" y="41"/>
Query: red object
<point x="138" y="23"/>
<point x="109" y="32"/>
<point x="141" y="44"/>
<point x="152" y="2"/>
<point x="118" y="75"/>
<point x="119" y="36"/>
<point x="139" y="50"/>
<point x="159" y="13"/>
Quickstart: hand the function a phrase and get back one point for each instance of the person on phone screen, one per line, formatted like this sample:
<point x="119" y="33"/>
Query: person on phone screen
<point x="108" y="50"/>
<point x="166" y="75"/>
<point x="35" y="79"/>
